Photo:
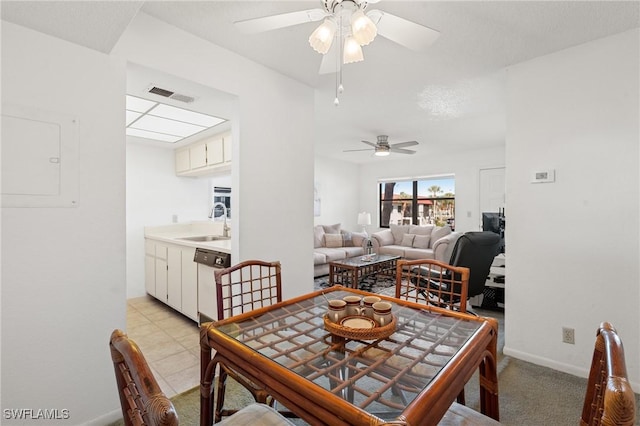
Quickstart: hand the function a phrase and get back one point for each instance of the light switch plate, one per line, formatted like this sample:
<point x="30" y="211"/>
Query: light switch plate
<point x="543" y="176"/>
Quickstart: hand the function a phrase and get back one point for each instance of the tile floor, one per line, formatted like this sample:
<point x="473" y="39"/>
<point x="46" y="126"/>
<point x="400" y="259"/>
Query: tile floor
<point x="169" y="342"/>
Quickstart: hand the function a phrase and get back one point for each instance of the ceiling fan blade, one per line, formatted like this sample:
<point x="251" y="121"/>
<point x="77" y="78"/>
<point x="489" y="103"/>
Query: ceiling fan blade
<point x="274" y="22"/>
<point x="406" y="33"/>
<point x="402" y="151"/>
<point x="404" y="144"/>
<point x="329" y="61"/>
<point x="370" y="143"/>
<point x="354" y="150"/>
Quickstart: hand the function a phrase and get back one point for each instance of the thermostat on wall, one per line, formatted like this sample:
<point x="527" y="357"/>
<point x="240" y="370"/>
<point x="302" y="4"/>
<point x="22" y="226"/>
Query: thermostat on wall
<point x="543" y="176"/>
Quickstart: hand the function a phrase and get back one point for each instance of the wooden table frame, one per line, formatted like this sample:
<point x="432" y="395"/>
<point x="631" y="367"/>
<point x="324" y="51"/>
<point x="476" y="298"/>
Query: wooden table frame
<point x="317" y="405"/>
<point x="348" y="272"/>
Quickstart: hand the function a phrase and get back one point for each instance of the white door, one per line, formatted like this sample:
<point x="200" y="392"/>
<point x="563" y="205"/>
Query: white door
<point x="492" y="190"/>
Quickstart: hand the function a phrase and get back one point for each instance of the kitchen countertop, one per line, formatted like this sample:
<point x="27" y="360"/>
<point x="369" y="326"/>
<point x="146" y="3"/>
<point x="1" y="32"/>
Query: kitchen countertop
<point x="174" y="233"/>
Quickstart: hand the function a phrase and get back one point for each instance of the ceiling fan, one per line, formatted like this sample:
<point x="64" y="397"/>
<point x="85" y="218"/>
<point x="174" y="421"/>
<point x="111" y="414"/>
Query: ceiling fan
<point x="382" y="147"/>
<point x="346" y="21"/>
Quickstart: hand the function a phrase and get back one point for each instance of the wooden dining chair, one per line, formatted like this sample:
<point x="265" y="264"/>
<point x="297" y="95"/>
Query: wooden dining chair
<point x="609" y="399"/>
<point x="244" y="287"/>
<point x="432" y="282"/>
<point x="142" y="400"/>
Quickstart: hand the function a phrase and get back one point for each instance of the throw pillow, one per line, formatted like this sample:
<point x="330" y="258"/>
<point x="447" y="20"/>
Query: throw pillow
<point x="421" y="241"/>
<point x="332" y="229"/>
<point x="439" y="232"/>
<point x="421" y="229"/>
<point x="347" y="239"/>
<point x="385" y="237"/>
<point x="407" y="240"/>
<point x="318" y="236"/>
<point x="398" y="231"/>
<point x="333" y="240"/>
<point x="357" y="238"/>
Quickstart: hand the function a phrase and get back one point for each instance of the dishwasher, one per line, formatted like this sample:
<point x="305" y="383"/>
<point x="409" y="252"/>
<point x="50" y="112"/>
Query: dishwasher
<point x="208" y="262"/>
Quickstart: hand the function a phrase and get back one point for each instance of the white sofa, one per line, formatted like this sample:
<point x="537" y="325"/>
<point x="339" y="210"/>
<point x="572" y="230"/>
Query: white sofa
<point x="332" y="243"/>
<point x="416" y="242"/>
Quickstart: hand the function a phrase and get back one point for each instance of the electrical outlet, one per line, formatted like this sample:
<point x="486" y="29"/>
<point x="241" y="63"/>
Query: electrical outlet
<point x="568" y="335"/>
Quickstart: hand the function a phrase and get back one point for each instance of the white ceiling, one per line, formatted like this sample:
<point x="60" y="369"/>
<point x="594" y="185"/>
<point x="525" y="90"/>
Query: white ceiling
<point x="451" y="96"/>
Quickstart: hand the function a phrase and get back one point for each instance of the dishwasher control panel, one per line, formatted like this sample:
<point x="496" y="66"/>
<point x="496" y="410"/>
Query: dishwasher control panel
<point x="213" y="258"/>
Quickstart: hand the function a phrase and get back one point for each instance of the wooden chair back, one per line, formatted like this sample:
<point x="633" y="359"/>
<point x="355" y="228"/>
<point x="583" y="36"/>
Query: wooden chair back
<point x="433" y="282"/>
<point x="142" y="400"/>
<point x="609" y="399"/>
<point x="246" y="286"/>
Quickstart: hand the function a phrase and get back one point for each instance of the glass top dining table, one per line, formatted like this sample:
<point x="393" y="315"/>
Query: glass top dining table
<point x="411" y="376"/>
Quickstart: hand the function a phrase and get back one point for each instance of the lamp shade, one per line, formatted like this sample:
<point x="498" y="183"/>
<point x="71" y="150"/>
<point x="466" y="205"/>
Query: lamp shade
<point x="363" y="28"/>
<point x="322" y="38"/>
<point x="352" y="51"/>
<point x="364" y="219"/>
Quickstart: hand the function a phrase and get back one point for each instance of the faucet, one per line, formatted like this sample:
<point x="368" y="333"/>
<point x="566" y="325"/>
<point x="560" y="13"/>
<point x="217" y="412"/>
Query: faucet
<point x="225" y="227"/>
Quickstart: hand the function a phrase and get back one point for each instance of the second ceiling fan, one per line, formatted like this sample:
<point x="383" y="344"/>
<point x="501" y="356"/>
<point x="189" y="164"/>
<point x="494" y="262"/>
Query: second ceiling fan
<point x="382" y="147"/>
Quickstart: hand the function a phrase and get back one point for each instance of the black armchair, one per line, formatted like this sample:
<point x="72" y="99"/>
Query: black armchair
<point x="473" y="250"/>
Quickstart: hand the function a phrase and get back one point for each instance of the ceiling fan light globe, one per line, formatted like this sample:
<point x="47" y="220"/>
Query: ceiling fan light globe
<point x="363" y="28"/>
<point x="322" y="37"/>
<point x="352" y="51"/>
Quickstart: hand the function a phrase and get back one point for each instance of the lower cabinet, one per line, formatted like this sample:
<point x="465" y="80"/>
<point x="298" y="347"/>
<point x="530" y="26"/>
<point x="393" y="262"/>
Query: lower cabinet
<point x="171" y="276"/>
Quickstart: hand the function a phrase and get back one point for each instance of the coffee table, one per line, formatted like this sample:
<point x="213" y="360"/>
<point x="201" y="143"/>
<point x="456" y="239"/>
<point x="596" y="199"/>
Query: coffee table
<point x="348" y="272"/>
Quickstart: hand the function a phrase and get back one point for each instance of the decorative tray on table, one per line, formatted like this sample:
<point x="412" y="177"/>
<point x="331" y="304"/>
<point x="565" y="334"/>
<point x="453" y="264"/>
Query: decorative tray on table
<point x="360" y="327"/>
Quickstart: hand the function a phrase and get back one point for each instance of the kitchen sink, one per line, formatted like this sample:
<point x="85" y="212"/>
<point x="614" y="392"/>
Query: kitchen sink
<point x="203" y="238"/>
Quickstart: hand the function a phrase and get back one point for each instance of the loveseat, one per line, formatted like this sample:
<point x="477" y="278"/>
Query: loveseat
<point x="416" y="242"/>
<point x="332" y="243"/>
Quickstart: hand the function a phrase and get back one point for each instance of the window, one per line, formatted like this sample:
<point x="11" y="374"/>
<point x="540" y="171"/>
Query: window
<point x="418" y="202"/>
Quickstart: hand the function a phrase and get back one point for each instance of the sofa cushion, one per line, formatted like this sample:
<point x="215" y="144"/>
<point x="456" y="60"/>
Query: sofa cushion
<point x="319" y="258"/>
<point x="332" y="253"/>
<point x="393" y="250"/>
<point x="421" y="241"/>
<point x="398" y="231"/>
<point x="331" y="229"/>
<point x="439" y="232"/>
<point x="353" y="251"/>
<point x="414" y="253"/>
<point x="421" y="230"/>
<point x="332" y="240"/>
<point x="318" y="236"/>
<point x="385" y="237"/>
<point x="407" y="240"/>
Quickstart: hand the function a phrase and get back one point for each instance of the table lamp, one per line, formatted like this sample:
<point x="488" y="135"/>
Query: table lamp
<point x="364" y="219"/>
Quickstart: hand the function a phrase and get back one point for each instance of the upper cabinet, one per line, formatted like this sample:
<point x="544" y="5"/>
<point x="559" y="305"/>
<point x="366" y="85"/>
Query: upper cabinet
<point x="208" y="156"/>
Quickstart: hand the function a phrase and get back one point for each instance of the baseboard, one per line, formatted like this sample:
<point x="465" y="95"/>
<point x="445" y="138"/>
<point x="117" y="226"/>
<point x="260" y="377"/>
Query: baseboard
<point x="546" y="362"/>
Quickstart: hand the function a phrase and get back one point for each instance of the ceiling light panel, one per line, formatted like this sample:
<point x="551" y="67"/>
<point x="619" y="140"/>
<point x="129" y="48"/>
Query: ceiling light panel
<point x="179" y="114"/>
<point x="152" y="135"/>
<point x="139" y="104"/>
<point x="132" y="116"/>
<point x="166" y="126"/>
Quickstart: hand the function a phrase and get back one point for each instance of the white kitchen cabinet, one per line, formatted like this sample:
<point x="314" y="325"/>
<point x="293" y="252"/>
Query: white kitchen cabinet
<point x="174" y="277"/>
<point x="206" y="157"/>
<point x="150" y="267"/>
<point x="189" y="283"/>
<point x="171" y="276"/>
<point x="161" y="272"/>
<point x="183" y="162"/>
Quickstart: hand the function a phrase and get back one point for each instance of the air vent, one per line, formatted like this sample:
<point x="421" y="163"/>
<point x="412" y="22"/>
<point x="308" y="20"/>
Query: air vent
<point x="170" y="94"/>
<point x="161" y="92"/>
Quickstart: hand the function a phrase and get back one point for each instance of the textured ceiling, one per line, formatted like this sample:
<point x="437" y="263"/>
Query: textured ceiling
<point x="450" y="96"/>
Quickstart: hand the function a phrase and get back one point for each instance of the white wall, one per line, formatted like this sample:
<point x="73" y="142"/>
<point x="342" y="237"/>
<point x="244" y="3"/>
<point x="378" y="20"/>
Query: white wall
<point x="63" y="269"/>
<point x="464" y="165"/>
<point x="337" y="183"/>
<point x="573" y="244"/>
<point x="154" y="195"/>
<point x="272" y="191"/>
